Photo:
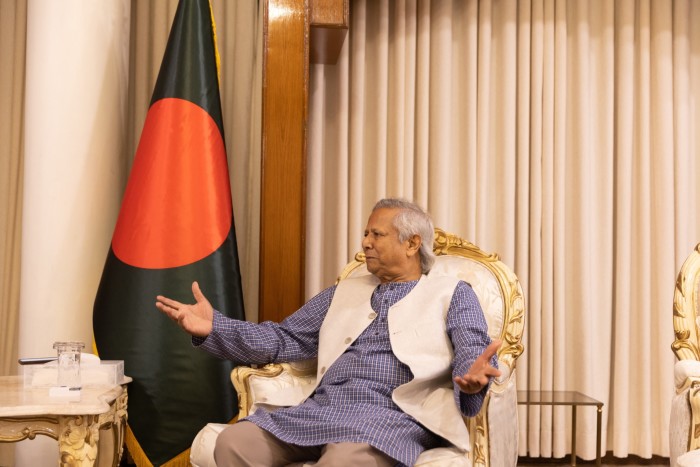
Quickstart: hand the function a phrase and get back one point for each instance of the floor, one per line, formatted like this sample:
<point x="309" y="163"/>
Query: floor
<point x="607" y="461"/>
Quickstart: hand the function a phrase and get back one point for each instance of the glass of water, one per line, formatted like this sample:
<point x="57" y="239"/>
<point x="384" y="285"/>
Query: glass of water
<point x="69" y="363"/>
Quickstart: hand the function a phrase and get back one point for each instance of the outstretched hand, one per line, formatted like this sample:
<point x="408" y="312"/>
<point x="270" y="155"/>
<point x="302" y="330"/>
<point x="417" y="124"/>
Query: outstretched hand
<point x="480" y="372"/>
<point x="195" y="319"/>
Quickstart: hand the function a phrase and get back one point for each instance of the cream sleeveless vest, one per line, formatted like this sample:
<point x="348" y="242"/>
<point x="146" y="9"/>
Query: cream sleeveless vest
<point x="417" y="332"/>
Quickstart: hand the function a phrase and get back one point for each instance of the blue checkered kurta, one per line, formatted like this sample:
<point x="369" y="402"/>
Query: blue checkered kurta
<point x="353" y="401"/>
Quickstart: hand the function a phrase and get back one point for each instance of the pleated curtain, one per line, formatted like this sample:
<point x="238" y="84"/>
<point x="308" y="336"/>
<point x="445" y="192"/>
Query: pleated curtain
<point x="559" y="134"/>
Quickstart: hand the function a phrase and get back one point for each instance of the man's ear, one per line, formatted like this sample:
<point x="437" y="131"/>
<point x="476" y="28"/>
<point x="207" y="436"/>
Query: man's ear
<point x="414" y="243"/>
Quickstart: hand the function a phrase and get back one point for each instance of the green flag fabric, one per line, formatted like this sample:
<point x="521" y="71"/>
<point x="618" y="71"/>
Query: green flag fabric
<point x="175" y="226"/>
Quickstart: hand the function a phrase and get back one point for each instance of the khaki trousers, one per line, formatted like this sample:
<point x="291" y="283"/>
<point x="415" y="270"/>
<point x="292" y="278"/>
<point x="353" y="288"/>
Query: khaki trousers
<point x="245" y="444"/>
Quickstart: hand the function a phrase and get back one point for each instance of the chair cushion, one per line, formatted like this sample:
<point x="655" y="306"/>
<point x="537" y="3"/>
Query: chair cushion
<point x="443" y="457"/>
<point x="262" y="386"/>
<point x="202" y="449"/>
<point x="689" y="459"/>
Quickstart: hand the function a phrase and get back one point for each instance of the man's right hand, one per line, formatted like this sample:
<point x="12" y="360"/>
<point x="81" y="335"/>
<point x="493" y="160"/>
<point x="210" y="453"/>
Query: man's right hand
<point x="195" y="319"/>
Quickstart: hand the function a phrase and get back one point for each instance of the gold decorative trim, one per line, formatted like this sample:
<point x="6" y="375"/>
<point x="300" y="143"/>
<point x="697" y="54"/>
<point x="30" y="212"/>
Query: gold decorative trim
<point x="446" y="243"/>
<point x="31" y="427"/>
<point x="685" y="328"/>
<point x="479" y="435"/>
<point x="77" y="441"/>
<point x="685" y="308"/>
<point x="240" y="377"/>
<point x="694" y="401"/>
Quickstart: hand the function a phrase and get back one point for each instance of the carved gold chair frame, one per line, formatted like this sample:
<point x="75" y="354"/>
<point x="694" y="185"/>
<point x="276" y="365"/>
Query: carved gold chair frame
<point x="685" y="326"/>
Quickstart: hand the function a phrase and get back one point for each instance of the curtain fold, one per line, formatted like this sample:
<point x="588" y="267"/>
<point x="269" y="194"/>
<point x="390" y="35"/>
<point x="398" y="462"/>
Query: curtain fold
<point x="556" y="133"/>
<point x="13" y="30"/>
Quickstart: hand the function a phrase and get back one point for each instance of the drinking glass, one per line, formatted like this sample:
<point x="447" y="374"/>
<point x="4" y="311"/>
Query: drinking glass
<point x="69" y="363"/>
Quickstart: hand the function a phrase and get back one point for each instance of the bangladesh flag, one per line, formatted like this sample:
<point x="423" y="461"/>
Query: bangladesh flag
<point x="175" y="226"/>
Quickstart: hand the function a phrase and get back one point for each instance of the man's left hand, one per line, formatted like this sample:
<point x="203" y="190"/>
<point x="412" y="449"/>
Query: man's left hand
<point x="480" y="372"/>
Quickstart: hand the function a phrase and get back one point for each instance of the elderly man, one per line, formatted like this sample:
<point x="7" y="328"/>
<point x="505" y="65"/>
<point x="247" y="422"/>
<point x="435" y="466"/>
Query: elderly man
<point x="401" y="356"/>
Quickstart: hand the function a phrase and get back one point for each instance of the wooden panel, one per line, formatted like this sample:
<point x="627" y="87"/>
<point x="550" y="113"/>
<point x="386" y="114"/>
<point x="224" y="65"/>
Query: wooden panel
<point x="326" y="44"/>
<point x="287" y="35"/>
<point x="285" y="90"/>
<point x="329" y="13"/>
<point x="329" y="26"/>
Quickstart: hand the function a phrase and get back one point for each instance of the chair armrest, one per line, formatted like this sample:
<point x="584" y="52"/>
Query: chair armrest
<point x="254" y="384"/>
<point x="251" y="384"/>
<point x="202" y="449"/>
<point x="502" y="421"/>
<point x="686" y="372"/>
<point x="685" y="409"/>
<point x="500" y="383"/>
<point x="685" y="414"/>
<point x="493" y="432"/>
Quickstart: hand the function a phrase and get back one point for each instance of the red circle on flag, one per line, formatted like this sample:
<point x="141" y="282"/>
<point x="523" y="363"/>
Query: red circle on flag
<point x="177" y="204"/>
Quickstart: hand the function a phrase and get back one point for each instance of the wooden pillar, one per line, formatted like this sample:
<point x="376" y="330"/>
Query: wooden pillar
<point x="286" y="58"/>
<point x="284" y="114"/>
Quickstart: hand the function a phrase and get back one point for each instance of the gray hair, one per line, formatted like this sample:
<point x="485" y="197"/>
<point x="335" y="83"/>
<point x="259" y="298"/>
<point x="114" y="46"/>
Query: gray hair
<point x="412" y="220"/>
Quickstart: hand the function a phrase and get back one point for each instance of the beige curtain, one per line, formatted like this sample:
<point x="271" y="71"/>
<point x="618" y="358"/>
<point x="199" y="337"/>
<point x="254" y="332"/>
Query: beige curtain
<point x="13" y="28"/>
<point x="239" y="31"/>
<point x="559" y="134"/>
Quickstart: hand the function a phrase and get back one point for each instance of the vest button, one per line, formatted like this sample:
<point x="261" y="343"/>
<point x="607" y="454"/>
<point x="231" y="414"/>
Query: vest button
<point x="348" y="340"/>
<point x="372" y="315"/>
<point x="323" y="369"/>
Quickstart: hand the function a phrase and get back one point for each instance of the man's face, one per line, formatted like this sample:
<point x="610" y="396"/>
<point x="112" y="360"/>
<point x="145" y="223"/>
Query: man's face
<point x="388" y="258"/>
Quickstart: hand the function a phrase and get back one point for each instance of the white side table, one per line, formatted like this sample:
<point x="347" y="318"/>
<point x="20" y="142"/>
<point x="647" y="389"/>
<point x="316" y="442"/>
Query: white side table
<point x="74" y="422"/>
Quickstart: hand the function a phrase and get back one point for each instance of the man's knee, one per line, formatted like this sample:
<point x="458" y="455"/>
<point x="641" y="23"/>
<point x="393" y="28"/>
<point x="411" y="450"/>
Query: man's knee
<point x="230" y="441"/>
<point x="244" y="443"/>
<point x="335" y="454"/>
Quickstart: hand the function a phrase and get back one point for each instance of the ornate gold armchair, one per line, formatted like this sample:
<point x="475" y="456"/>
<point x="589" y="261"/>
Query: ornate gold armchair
<point x="494" y="431"/>
<point x="684" y="429"/>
